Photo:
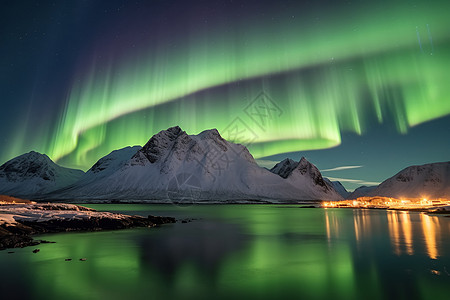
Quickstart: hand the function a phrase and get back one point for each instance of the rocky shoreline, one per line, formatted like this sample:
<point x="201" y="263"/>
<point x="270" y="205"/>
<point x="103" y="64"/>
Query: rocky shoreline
<point x="19" y="222"/>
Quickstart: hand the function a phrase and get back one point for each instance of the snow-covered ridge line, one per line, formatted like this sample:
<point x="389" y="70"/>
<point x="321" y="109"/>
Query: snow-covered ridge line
<point x="176" y="167"/>
<point x="34" y="173"/>
<point x="429" y="181"/>
<point x="171" y="167"/>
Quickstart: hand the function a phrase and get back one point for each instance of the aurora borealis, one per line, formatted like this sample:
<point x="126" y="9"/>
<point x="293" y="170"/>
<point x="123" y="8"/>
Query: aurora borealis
<point x="333" y="78"/>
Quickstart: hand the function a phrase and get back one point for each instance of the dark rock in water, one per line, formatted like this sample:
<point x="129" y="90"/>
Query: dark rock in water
<point x="161" y="220"/>
<point x="36" y="250"/>
<point x="96" y="223"/>
<point x="16" y="241"/>
<point x="187" y="220"/>
<point x="46" y="242"/>
<point x="68" y="259"/>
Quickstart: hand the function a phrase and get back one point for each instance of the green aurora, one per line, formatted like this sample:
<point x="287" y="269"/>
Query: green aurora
<point x="310" y="81"/>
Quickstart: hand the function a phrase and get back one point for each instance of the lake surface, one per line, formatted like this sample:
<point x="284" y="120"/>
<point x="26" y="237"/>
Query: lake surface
<point x="241" y="251"/>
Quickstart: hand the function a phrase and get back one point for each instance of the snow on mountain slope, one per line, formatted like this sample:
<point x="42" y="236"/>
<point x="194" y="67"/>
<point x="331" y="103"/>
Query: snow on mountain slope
<point x="285" y="167"/>
<point x="176" y="166"/>
<point x="34" y="173"/>
<point x="103" y="168"/>
<point x="111" y="162"/>
<point x="425" y="181"/>
<point x="338" y="187"/>
<point x="362" y="191"/>
<point x="305" y="175"/>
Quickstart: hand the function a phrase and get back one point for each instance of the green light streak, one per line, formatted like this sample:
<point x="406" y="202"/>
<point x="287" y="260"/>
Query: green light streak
<point x="326" y="78"/>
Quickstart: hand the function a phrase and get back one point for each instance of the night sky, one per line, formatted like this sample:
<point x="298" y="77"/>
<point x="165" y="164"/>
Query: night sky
<point x="360" y="88"/>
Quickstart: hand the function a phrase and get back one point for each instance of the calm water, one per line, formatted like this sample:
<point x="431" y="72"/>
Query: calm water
<point x="236" y="251"/>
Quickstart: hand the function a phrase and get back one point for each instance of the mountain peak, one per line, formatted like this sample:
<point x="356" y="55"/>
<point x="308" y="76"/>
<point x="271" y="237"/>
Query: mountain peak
<point x="288" y="167"/>
<point x="33" y="155"/>
<point x="429" y="181"/>
<point x="285" y="167"/>
<point x="210" y="134"/>
<point x="32" y="172"/>
<point x="213" y="138"/>
<point x="28" y="164"/>
<point x="159" y="144"/>
<point x="303" y="160"/>
<point x="176" y="143"/>
<point x="305" y="166"/>
<point x="176" y="130"/>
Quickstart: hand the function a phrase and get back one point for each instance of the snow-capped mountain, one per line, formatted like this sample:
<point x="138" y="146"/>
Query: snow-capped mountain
<point x="175" y="166"/>
<point x="109" y="163"/>
<point x="285" y="167"/>
<point x="362" y="191"/>
<point x="34" y="173"/>
<point x="425" y="181"/>
<point x="338" y="187"/>
<point x="306" y="175"/>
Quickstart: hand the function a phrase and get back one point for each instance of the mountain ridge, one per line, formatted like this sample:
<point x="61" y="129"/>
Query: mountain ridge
<point x="417" y="181"/>
<point x="216" y="168"/>
<point x="34" y="173"/>
<point x="175" y="166"/>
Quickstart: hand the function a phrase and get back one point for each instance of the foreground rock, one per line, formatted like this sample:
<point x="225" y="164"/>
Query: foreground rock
<point x="18" y="222"/>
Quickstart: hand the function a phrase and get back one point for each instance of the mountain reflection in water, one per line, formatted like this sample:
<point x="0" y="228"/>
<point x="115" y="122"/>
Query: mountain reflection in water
<point x="235" y="251"/>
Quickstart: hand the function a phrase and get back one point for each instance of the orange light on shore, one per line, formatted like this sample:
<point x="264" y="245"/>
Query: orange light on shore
<point x="390" y="203"/>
